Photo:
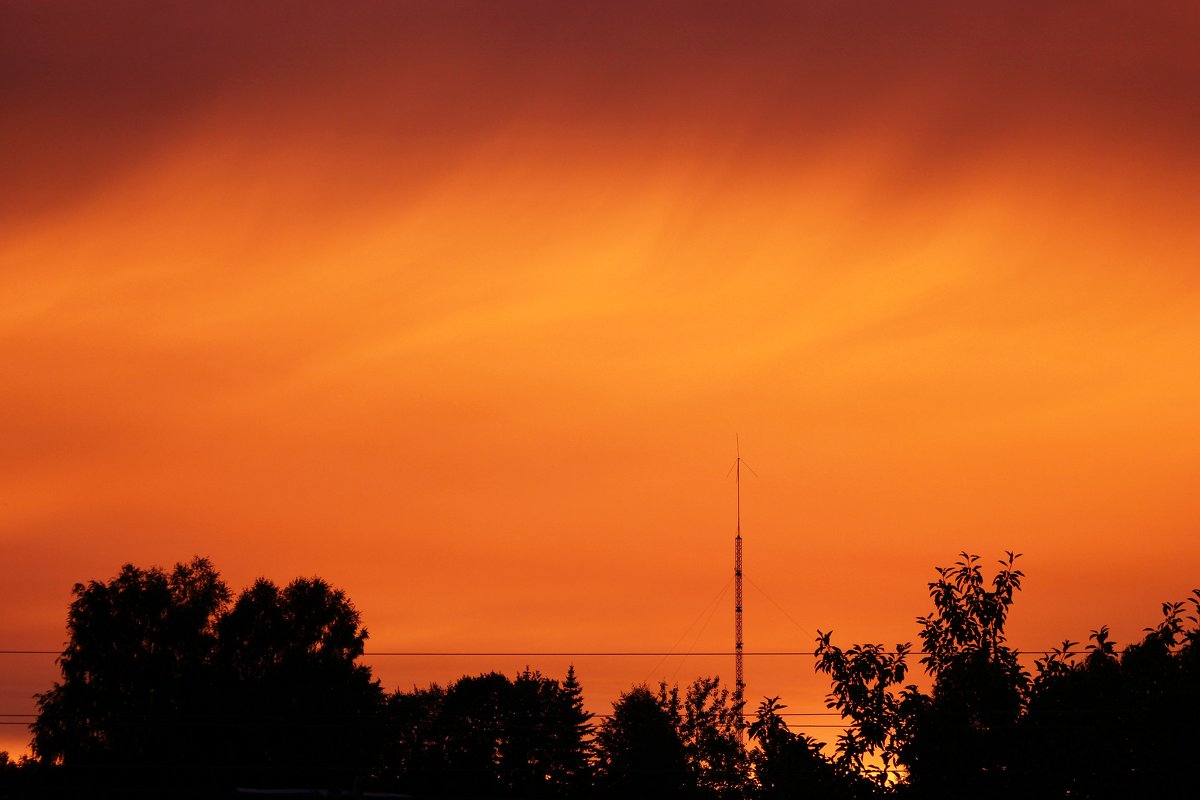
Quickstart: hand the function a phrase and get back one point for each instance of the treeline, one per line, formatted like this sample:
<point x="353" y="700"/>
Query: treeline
<point x="172" y="687"/>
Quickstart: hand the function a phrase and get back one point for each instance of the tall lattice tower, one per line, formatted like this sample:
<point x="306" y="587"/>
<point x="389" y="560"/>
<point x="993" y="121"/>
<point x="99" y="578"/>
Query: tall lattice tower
<point x="739" y="681"/>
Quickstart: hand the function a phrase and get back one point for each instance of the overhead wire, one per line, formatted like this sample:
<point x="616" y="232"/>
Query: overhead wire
<point x="590" y="653"/>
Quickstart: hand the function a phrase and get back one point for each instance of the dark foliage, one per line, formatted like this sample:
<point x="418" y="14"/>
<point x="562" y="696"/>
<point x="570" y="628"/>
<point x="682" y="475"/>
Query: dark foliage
<point x="171" y="687"/>
<point x="1118" y="724"/>
<point x="708" y="724"/>
<point x="790" y="765"/>
<point x="489" y="736"/>
<point x="296" y="708"/>
<point x="137" y="685"/>
<point x="165" y="686"/>
<point x="675" y="744"/>
<point x="639" y="749"/>
<point x="1110" y="725"/>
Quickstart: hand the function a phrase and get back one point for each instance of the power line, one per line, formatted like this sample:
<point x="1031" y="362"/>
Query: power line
<point x="586" y="653"/>
<point x="591" y="653"/>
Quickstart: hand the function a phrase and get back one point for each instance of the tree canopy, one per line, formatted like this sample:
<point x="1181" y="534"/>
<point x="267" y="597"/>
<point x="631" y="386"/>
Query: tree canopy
<point x="492" y="736"/>
<point x="139" y="651"/>
<point x="171" y="682"/>
<point x="1119" y="722"/>
<point x="162" y="675"/>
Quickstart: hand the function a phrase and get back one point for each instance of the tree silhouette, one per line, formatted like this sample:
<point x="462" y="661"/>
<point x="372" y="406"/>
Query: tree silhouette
<point x="164" y="685"/>
<point x="413" y="751"/>
<point x="788" y="764"/>
<point x="298" y="708"/>
<point x="686" y="745"/>
<point x="472" y="727"/>
<point x="138" y="660"/>
<point x="549" y="740"/>
<point x="958" y="740"/>
<point x="708" y="725"/>
<point x="865" y="687"/>
<point x="20" y="778"/>
<point x="1112" y="724"/>
<point x="489" y="736"/>
<point x="1118" y="723"/>
<point x="961" y="738"/>
<point x="572" y="743"/>
<point x="639" y="750"/>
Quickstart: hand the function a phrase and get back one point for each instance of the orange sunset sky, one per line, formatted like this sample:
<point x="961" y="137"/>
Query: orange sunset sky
<point x="462" y="305"/>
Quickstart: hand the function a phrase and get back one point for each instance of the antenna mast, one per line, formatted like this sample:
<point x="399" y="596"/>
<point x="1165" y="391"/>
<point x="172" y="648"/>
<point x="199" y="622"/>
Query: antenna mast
<point x="739" y="684"/>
